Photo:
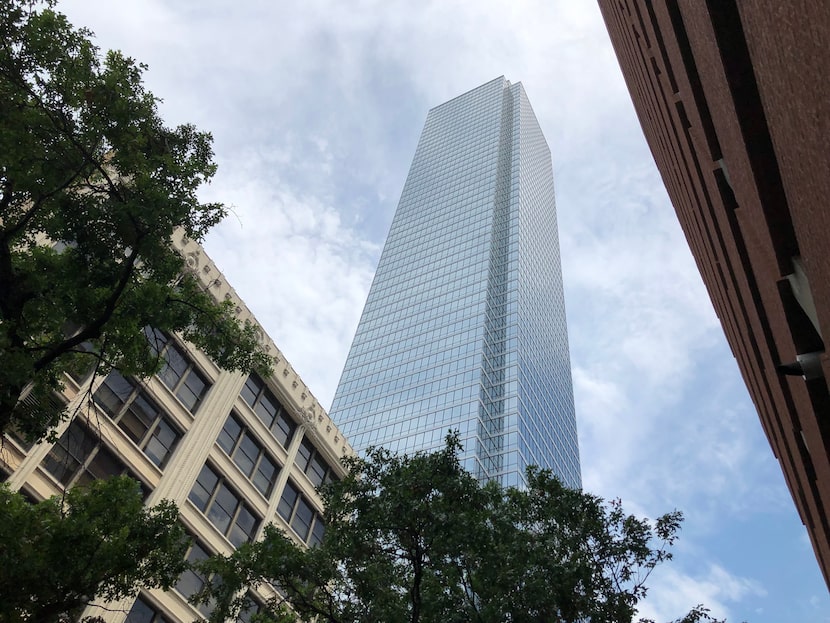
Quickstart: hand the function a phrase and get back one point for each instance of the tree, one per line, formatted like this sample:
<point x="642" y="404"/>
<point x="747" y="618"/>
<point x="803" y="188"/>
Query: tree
<point x="99" y="541"/>
<point x="92" y="186"/>
<point x="417" y="539"/>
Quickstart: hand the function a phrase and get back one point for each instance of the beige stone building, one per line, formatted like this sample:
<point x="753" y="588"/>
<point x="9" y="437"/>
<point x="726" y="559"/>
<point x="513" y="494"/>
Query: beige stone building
<point x="234" y="451"/>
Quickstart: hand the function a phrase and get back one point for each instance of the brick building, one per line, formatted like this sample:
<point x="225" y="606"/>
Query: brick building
<point x="734" y="101"/>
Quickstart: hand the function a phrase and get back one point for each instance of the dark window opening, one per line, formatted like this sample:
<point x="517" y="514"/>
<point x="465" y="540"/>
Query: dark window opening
<point x="138" y="416"/>
<point x="191" y="581"/>
<point x="224" y="507"/>
<point x="143" y="611"/>
<point x="249" y="455"/>
<point x="269" y="409"/>
<point x="314" y="466"/>
<point x="80" y="456"/>
<point x="178" y="372"/>
<point x="300" y="515"/>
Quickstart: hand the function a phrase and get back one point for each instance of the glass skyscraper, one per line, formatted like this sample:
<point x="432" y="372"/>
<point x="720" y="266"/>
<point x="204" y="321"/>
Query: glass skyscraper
<point x="464" y="326"/>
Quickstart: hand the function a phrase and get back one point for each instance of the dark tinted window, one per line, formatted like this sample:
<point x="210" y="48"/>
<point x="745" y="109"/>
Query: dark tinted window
<point x="248" y="454"/>
<point x="138" y="416"/>
<point x="224" y="507"/>
<point x="313" y="464"/>
<point x="268" y="409"/>
<point x="300" y="514"/>
<point x="144" y="612"/>
<point x="79" y="457"/>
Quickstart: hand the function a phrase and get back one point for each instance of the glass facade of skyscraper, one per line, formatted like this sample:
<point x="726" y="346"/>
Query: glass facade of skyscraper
<point x="464" y="326"/>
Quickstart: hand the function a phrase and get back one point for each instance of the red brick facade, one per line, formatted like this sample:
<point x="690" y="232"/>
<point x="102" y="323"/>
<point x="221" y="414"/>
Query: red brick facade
<point x="734" y="100"/>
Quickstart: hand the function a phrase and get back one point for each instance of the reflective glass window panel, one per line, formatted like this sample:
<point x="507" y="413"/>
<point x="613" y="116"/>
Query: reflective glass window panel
<point x="265" y="475"/>
<point x="191" y="582"/>
<point x="303" y="516"/>
<point x="126" y="402"/>
<point x="317" y="532"/>
<point x="268" y="409"/>
<point x="248" y="454"/>
<point x="192" y="390"/>
<point x="224" y="507"/>
<point x="115" y="391"/>
<point x="144" y="612"/>
<point x="180" y="375"/>
<point x="203" y="489"/>
<point x="287" y="501"/>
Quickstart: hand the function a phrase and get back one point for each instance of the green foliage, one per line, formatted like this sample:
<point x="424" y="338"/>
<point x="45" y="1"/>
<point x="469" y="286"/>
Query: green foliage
<point x="418" y="539"/>
<point x="87" y="163"/>
<point x="99" y="541"/>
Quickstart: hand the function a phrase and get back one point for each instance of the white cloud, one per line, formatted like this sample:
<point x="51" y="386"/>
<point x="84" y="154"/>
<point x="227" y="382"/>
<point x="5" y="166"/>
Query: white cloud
<point x="673" y="594"/>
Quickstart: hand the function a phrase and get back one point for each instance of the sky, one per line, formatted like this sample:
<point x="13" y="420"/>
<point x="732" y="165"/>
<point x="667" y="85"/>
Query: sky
<point x="315" y="109"/>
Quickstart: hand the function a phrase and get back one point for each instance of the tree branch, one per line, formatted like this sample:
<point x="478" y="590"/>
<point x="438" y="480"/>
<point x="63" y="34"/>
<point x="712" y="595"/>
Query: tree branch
<point x="10" y="232"/>
<point x="60" y="123"/>
<point x="93" y="329"/>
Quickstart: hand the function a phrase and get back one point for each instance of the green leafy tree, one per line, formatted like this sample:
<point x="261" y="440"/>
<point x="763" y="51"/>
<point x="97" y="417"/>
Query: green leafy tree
<point x="417" y="539"/>
<point x="92" y="186"/>
<point x="98" y="542"/>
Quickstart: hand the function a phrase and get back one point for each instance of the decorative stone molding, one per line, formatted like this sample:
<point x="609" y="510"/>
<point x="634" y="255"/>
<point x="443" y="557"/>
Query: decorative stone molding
<point x="192" y="260"/>
<point x="308" y="416"/>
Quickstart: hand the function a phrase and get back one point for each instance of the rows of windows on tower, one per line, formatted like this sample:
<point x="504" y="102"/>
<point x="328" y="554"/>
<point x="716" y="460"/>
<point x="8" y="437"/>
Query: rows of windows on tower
<point x="464" y="325"/>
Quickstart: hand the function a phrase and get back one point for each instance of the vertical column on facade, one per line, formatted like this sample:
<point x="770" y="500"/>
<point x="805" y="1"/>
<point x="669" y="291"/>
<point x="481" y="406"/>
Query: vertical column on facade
<point x="491" y="407"/>
<point x="279" y="486"/>
<point x="195" y="446"/>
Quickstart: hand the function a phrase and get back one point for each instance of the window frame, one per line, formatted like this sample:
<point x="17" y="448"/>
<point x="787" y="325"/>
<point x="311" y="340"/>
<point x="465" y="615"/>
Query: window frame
<point x="291" y="516"/>
<point x="161" y="343"/>
<point x="212" y="500"/>
<point x="258" y="388"/>
<point x="162" y="418"/>
<point x="237" y="448"/>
